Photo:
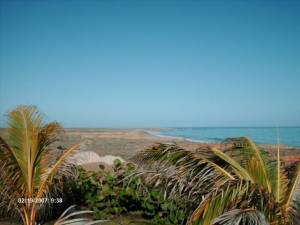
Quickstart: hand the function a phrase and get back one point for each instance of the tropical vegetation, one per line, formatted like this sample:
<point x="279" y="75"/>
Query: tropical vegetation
<point x="120" y="192"/>
<point x="32" y="170"/>
<point x="236" y="184"/>
<point x="241" y="184"/>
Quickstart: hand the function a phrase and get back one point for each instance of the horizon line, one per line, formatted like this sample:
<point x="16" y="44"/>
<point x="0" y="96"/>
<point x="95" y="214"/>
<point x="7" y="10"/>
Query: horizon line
<point x="294" y="126"/>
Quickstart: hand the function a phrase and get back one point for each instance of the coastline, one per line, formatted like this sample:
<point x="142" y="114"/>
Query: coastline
<point x="157" y="134"/>
<point x="127" y="142"/>
<point x="215" y="135"/>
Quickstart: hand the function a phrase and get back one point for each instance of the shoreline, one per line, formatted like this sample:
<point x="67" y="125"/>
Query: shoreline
<point x="127" y="142"/>
<point x="216" y="140"/>
<point x="179" y="138"/>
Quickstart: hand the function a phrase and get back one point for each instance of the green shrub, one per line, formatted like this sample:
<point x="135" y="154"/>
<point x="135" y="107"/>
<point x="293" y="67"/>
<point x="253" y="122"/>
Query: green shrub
<point x="120" y="191"/>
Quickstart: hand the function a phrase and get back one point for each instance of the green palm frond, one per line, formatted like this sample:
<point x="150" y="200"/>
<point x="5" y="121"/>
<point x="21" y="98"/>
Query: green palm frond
<point x="261" y="169"/>
<point x="226" y="197"/>
<point x="243" y="184"/>
<point x="24" y="125"/>
<point x="237" y="168"/>
<point x="30" y="164"/>
<point x="281" y="183"/>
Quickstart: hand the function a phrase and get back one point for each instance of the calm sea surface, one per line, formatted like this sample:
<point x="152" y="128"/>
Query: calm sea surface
<point x="261" y="135"/>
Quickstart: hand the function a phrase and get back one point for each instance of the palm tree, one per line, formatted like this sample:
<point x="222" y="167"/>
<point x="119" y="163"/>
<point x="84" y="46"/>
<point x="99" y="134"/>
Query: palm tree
<point x="31" y="168"/>
<point x="239" y="185"/>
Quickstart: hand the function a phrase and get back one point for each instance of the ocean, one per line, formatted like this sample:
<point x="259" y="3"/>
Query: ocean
<point x="289" y="136"/>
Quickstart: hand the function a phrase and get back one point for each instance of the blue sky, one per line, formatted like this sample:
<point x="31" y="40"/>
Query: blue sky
<point x="152" y="63"/>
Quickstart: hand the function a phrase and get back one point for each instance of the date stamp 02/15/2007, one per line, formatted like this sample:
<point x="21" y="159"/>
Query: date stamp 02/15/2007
<point x="40" y="200"/>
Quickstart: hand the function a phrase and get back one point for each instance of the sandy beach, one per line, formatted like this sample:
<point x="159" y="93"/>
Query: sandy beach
<point x="127" y="142"/>
<point x="120" y="142"/>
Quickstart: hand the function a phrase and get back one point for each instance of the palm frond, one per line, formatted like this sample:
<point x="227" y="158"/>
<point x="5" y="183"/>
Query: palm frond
<point x="230" y="195"/>
<point x="252" y="159"/>
<point x="294" y="191"/>
<point x="30" y="164"/>
<point x="281" y="177"/>
<point x="69" y="216"/>
<point x="292" y="204"/>
<point x="241" y="216"/>
<point x="238" y="169"/>
<point x="48" y="176"/>
<point x="180" y="173"/>
<point x="183" y="160"/>
<point x="10" y="176"/>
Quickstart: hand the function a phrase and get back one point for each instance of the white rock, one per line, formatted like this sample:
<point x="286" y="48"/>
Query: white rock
<point x="81" y="158"/>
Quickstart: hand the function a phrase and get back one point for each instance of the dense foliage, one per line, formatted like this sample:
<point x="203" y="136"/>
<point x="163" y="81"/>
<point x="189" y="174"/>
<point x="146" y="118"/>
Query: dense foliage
<point x="120" y="191"/>
<point x="241" y="184"/>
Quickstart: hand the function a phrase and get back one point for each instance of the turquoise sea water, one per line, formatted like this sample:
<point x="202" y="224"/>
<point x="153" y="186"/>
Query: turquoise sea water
<point x="261" y="135"/>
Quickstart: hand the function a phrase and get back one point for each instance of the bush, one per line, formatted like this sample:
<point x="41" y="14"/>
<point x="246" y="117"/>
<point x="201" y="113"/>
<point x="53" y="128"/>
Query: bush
<point x="120" y="191"/>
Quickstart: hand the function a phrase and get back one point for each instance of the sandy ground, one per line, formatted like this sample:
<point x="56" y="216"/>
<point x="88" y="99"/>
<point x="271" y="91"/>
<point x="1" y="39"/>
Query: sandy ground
<point x="120" y="142"/>
<point x="127" y="142"/>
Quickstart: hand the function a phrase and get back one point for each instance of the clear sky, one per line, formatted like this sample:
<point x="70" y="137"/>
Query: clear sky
<point x="152" y="63"/>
